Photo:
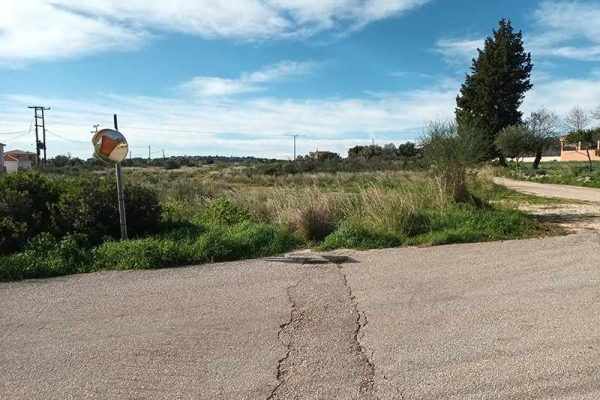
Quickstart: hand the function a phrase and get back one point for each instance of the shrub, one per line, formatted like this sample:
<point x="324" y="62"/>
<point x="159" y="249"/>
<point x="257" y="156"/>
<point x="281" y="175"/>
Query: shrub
<point x="149" y="253"/>
<point x="219" y="243"/>
<point x="90" y="207"/>
<point x="355" y="235"/>
<point x="396" y="211"/>
<point x="313" y="224"/>
<point x="450" y="151"/>
<point x="172" y="164"/>
<point x="31" y="204"/>
<point x="45" y="256"/>
<point x="25" y="200"/>
<point x="311" y="212"/>
<point x="223" y="211"/>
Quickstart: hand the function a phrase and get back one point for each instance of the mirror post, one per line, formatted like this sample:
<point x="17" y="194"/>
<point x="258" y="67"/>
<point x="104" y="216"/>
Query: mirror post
<point x="120" y="193"/>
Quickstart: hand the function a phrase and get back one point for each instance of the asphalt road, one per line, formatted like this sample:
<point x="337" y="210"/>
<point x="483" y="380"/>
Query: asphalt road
<point x="506" y="320"/>
<point x="550" y="190"/>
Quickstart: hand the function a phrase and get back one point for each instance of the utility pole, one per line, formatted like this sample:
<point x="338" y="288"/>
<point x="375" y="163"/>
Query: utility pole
<point x="38" y="115"/>
<point x="294" y="136"/>
<point x="164" y="158"/>
<point x="149" y="152"/>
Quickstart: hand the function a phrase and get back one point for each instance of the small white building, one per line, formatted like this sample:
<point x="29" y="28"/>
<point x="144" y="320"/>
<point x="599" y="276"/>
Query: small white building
<point x="18" y="160"/>
<point x="2" y="169"/>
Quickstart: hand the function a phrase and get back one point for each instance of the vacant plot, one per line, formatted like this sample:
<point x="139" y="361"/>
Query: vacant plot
<point x="221" y="213"/>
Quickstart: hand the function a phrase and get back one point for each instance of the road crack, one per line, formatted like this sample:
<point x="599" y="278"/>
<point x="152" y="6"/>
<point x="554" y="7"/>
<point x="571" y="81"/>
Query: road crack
<point x="324" y="358"/>
<point x="362" y="321"/>
<point x="284" y="330"/>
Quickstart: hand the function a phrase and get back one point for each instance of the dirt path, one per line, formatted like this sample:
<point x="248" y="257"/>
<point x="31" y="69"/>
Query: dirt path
<point x="580" y="211"/>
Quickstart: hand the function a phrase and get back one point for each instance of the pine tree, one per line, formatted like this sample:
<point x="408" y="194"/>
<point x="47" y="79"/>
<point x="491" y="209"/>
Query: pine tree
<point x="490" y="98"/>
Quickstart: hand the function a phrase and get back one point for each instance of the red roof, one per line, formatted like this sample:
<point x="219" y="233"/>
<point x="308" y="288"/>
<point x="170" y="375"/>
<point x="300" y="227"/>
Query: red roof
<point x="15" y="155"/>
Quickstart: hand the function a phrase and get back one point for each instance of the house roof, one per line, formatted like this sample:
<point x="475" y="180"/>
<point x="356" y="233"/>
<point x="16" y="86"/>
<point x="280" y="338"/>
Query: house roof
<point x="20" y="153"/>
<point x="15" y="155"/>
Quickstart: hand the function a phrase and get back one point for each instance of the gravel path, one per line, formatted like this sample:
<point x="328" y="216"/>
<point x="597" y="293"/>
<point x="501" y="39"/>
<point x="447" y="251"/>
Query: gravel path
<point x="580" y="215"/>
<point x="550" y="190"/>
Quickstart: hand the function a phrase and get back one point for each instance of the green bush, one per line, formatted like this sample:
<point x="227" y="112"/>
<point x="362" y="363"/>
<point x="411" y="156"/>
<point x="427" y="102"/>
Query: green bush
<point x="354" y="235"/>
<point x="25" y="208"/>
<point x="45" y="257"/>
<point x="223" y="211"/>
<point x="467" y="223"/>
<point x="149" y="253"/>
<point x="219" y="243"/>
<point x="90" y="207"/>
<point x="31" y="204"/>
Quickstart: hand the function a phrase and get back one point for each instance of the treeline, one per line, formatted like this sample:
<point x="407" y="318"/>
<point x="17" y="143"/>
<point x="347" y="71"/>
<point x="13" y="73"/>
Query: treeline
<point x="360" y="159"/>
<point x="173" y="162"/>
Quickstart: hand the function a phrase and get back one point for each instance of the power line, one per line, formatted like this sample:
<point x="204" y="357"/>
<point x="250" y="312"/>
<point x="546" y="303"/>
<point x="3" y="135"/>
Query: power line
<point x="12" y="132"/>
<point x="67" y="139"/>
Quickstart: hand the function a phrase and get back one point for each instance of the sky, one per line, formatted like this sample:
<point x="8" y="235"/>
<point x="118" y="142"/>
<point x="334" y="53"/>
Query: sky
<point x="239" y="77"/>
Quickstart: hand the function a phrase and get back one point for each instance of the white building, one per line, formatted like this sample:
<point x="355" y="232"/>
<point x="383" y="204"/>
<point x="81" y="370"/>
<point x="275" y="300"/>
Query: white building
<point x="18" y="160"/>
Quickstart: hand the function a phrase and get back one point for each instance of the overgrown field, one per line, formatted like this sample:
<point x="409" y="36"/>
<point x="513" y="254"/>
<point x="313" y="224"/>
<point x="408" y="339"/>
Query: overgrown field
<point x="565" y="173"/>
<point x="56" y="225"/>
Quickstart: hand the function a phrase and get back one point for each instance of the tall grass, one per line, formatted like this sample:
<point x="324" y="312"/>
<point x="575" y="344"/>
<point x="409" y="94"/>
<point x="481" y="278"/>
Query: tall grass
<point x="227" y="214"/>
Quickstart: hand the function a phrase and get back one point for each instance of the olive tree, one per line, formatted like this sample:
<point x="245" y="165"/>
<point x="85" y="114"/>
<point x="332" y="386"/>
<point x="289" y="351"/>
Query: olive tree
<point x="543" y="127"/>
<point x="515" y="141"/>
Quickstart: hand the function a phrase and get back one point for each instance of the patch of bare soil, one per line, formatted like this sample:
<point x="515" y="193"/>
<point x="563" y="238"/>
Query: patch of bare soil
<point x="573" y="217"/>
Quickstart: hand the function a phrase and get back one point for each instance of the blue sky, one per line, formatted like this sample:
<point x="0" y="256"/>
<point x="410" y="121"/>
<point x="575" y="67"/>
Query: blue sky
<point x="238" y="77"/>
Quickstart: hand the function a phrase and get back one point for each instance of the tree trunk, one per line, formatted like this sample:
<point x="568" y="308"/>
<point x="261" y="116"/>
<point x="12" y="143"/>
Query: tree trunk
<point x="587" y="150"/>
<point x="502" y="160"/>
<point x="538" y="160"/>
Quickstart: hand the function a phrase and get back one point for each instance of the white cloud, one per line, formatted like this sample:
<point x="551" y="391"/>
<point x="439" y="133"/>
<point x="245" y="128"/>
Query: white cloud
<point x="205" y="86"/>
<point x="562" y="29"/>
<point x="52" y="29"/>
<point x="561" y="95"/>
<point x="32" y="30"/>
<point x="567" y="29"/>
<point x="258" y="126"/>
<point x="245" y="126"/>
<point x="458" y="51"/>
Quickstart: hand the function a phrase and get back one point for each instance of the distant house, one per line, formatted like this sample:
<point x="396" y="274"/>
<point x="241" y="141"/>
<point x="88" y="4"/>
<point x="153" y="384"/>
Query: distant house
<point x="323" y="155"/>
<point x="2" y="169"/>
<point x="576" y="152"/>
<point x="18" y="160"/>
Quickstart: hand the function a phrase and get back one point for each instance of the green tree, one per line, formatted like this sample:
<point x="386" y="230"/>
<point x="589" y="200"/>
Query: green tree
<point x="492" y="93"/>
<point x="515" y="141"/>
<point x="449" y="151"/>
<point x="543" y="126"/>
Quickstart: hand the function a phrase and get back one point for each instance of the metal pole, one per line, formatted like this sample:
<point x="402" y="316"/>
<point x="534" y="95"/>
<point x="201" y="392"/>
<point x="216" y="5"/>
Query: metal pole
<point x="120" y="194"/>
<point x="44" y="134"/>
<point x="295" y="147"/>
<point x="37" y="139"/>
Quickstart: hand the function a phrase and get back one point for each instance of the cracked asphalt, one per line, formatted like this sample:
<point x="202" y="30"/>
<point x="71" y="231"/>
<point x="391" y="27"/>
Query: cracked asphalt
<point x="505" y="320"/>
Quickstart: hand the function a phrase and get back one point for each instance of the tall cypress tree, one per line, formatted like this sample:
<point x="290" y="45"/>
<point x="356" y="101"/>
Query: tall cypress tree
<point x="490" y="98"/>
